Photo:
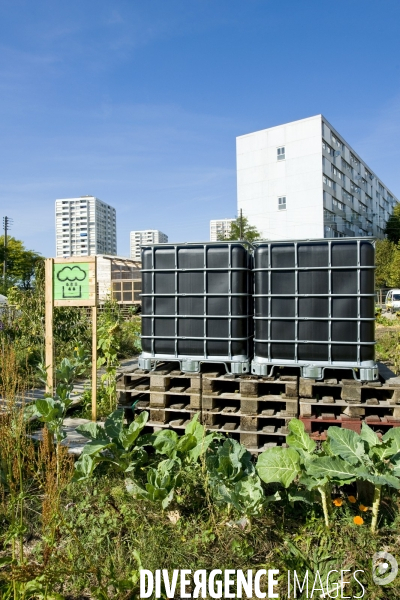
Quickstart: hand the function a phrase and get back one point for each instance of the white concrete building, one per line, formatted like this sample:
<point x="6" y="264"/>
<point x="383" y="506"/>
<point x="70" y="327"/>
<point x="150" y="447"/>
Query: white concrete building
<point x="147" y="236"/>
<point x="219" y="228"/>
<point x="303" y="180"/>
<point x="85" y="226"/>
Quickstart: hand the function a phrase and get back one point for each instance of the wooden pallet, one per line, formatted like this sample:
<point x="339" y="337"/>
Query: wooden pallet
<point x="317" y="427"/>
<point x="351" y="391"/>
<point x="331" y="406"/>
<point x="249" y="386"/>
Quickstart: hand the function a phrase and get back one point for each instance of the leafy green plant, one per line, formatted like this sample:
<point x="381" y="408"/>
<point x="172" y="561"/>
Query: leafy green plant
<point x="233" y="480"/>
<point x="188" y="447"/>
<point x="108" y="344"/>
<point x="161" y="482"/>
<point x="344" y="458"/>
<point x="372" y="459"/>
<point x="52" y="409"/>
<point x="113" y="443"/>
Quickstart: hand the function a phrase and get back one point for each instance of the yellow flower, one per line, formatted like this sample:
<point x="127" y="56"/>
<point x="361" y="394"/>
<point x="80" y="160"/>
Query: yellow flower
<point x="363" y="508"/>
<point x="337" y="501"/>
<point x="358" y="520"/>
<point x="351" y="499"/>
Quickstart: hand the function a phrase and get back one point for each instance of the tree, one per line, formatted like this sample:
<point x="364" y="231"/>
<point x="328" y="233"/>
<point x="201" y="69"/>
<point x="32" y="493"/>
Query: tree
<point x="392" y="230"/>
<point x="21" y="264"/>
<point x="249" y="232"/>
<point x="385" y="253"/>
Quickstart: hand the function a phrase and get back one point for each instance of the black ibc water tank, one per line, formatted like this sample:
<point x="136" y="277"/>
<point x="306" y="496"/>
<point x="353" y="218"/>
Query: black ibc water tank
<point x="314" y="306"/>
<point x="196" y="302"/>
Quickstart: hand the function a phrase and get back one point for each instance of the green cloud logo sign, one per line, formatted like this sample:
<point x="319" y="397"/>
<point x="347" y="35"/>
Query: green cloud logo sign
<point x="71" y="274"/>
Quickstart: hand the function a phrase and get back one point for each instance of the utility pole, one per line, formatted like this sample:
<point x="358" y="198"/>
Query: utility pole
<point x="6" y="227"/>
<point x="241" y="225"/>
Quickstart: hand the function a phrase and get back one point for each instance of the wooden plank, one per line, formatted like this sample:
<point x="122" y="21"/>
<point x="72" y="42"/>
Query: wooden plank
<point x="49" y="348"/>
<point x="94" y="352"/>
<point x="75" y="259"/>
<point x="90" y="302"/>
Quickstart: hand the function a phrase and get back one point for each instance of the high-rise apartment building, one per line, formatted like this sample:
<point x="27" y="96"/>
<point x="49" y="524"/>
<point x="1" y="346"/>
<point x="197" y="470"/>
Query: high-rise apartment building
<point x="85" y="226"/>
<point x="220" y="228"/>
<point x="303" y="180"/>
<point x="147" y="236"/>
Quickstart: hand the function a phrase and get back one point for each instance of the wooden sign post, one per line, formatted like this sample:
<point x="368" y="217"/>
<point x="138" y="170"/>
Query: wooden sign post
<point x="70" y="282"/>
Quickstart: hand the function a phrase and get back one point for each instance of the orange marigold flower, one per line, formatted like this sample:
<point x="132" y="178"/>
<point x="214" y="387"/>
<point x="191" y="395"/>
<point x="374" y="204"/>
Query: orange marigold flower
<point x="363" y="508"/>
<point x="351" y="499"/>
<point x="358" y="520"/>
<point x="337" y="501"/>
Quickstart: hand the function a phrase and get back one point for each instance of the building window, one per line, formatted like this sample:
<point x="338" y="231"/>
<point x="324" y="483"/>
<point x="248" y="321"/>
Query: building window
<point x="280" y="153"/>
<point x="338" y="173"/>
<point x="354" y="188"/>
<point x="327" y="148"/>
<point x="282" y="203"/>
<point x="347" y="196"/>
<point x="329" y="216"/>
<point x="336" y="142"/>
<point x="337" y="204"/>
<point x="347" y="167"/>
<point x="328" y="182"/>
<point x="354" y="160"/>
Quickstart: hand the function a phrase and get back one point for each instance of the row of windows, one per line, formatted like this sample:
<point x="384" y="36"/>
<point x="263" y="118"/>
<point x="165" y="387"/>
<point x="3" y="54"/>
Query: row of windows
<point x="337" y="143"/>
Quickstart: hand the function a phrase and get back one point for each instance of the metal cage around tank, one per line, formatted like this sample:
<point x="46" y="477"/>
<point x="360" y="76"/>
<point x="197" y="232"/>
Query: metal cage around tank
<point x="197" y="305"/>
<point x="314" y="306"/>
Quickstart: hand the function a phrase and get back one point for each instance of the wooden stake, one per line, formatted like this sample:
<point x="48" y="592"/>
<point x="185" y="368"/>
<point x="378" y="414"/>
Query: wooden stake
<point x="49" y="349"/>
<point x="94" y="363"/>
<point x="94" y="350"/>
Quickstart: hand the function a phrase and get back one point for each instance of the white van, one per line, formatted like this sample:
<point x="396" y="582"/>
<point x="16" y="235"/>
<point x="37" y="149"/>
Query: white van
<point x="392" y="302"/>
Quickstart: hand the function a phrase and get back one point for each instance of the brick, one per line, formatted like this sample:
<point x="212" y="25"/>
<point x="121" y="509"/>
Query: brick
<point x="209" y="418"/>
<point x="395" y="399"/>
<point x="195" y="383"/>
<point x="396" y="412"/>
<point x="351" y="382"/>
<point x="157" y="415"/>
<point x="229" y="426"/>
<point x="248" y="389"/>
<point x="325" y="415"/>
<point x="158" y="400"/>
<point x="354" y="411"/>
<point x="209" y="403"/>
<point x="351" y="393"/>
<point x="372" y="401"/>
<point x="328" y="399"/>
<point x="305" y="387"/>
<point x="249" y="423"/>
<point x="291" y="390"/>
<point x="229" y="409"/>
<point x="159" y="382"/>
<point x="249" y="440"/>
<point x="249" y="407"/>
<point x="208" y="385"/>
<point x="306" y="410"/>
<point x="195" y="402"/>
<point x="269" y="429"/>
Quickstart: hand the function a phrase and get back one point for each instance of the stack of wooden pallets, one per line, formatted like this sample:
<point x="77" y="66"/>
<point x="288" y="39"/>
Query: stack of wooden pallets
<point x="347" y="403"/>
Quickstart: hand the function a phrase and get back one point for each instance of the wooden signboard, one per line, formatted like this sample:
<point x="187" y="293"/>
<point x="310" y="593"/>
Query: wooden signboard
<point x="71" y="282"/>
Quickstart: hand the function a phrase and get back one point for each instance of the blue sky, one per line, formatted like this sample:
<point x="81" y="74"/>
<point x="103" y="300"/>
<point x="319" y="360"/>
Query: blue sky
<point x="139" y="102"/>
